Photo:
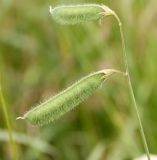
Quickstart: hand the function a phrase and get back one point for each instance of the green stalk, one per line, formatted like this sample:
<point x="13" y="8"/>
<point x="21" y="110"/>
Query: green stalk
<point x="130" y="86"/>
<point x="6" y="116"/>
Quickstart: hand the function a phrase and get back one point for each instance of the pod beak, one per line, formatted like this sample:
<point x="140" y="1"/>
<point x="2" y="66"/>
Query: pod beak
<point x="50" y="9"/>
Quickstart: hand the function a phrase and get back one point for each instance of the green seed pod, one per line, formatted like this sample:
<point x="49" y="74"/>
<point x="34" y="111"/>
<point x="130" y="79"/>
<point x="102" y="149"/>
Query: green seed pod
<point x="65" y="101"/>
<point x="75" y="14"/>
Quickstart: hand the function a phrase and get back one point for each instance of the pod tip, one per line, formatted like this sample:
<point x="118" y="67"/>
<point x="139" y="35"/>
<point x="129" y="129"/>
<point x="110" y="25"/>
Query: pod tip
<point x="50" y="9"/>
<point x="20" y="118"/>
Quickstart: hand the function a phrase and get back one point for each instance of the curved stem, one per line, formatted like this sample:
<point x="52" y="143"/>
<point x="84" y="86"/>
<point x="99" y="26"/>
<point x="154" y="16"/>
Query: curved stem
<point x="130" y="84"/>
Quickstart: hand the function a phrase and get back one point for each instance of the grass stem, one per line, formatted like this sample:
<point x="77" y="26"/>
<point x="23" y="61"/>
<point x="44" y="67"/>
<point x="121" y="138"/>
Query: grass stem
<point x="6" y="116"/>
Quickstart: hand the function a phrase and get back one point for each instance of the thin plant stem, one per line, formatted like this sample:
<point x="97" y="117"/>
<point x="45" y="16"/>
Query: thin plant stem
<point x="131" y="88"/>
<point x="5" y="112"/>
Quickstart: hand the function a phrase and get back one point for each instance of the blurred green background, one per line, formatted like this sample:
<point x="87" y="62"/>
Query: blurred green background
<point x="38" y="58"/>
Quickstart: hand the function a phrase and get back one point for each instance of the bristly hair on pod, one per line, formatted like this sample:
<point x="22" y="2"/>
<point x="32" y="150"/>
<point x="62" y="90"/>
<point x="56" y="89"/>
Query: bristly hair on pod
<point x="76" y="14"/>
<point x="68" y="99"/>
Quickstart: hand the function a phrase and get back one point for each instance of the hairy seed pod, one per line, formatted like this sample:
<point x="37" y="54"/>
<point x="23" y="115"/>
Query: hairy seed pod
<point x="75" y="14"/>
<point x="65" y="101"/>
